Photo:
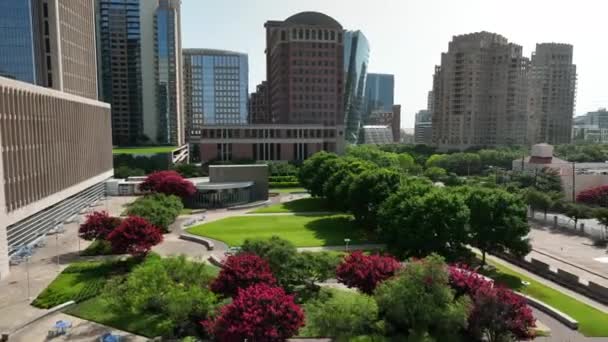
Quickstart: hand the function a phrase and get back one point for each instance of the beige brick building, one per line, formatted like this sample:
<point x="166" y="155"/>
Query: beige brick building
<point x="56" y="150"/>
<point x="479" y="93"/>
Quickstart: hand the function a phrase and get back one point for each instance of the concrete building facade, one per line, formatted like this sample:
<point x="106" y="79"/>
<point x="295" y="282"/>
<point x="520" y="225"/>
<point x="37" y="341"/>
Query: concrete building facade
<point x="551" y="94"/>
<point x="480" y="93"/>
<point x="423" y="127"/>
<point x="259" y="110"/>
<point x="55" y="146"/>
<point x="591" y="127"/>
<point x="50" y="43"/>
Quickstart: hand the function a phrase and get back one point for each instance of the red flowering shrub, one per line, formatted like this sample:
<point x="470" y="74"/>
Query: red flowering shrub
<point x="153" y="180"/>
<point x="241" y="271"/>
<point x="594" y="196"/>
<point x="258" y="313"/>
<point x="135" y="236"/>
<point x="98" y="225"/>
<point x="176" y="185"/>
<point x="498" y="313"/>
<point x="365" y="272"/>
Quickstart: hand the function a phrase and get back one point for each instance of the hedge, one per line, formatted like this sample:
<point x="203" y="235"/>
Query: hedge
<point x="279" y="185"/>
<point x="278" y="179"/>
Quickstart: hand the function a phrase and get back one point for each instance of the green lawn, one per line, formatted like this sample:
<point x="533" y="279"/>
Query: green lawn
<point x="301" y="230"/>
<point x="287" y="190"/>
<point x="98" y="310"/>
<point x="80" y="281"/>
<point x="98" y="247"/>
<point x="592" y="322"/>
<point x="143" y="150"/>
<point x="186" y="211"/>
<point x="311" y="204"/>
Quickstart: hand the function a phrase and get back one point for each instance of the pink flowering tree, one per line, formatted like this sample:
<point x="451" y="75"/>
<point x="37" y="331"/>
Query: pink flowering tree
<point x="365" y="272"/>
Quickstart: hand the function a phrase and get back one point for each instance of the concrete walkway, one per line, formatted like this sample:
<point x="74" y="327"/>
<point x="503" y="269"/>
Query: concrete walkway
<point x="362" y="247"/>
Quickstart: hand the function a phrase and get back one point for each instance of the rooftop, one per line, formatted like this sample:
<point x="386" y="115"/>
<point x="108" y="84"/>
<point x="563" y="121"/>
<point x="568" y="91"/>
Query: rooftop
<point x="313" y="18"/>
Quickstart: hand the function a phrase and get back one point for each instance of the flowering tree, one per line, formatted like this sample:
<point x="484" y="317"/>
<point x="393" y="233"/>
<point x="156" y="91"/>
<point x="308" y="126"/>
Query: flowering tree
<point x="594" y="196"/>
<point x="241" y="271"/>
<point x="153" y="180"/>
<point x="97" y="225"/>
<point x="365" y="272"/>
<point x="498" y="313"/>
<point x="135" y="236"/>
<point x="168" y="183"/>
<point x="258" y="313"/>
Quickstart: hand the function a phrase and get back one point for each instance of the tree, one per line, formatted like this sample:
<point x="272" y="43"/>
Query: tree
<point x="257" y="313"/>
<point x="601" y="214"/>
<point x="341" y="315"/>
<point x="97" y="226"/>
<point x="407" y="163"/>
<point x="367" y="191"/>
<point x="158" y="209"/>
<point x="497" y="222"/>
<point x="153" y="180"/>
<point x="176" y="185"/>
<point x="135" y="236"/>
<point x="577" y="212"/>
<point x="418" y="301"/>
<point x="365" y="272"/>
<point x="309" y="177"/>
<point x="548" y="180"/>
<point x="375" y="155"/>
<point x="539" y="201"/>
<point x="241" y="271"/>
<point x="336" y="186"/>
<point x="280" y="255"/>
<point x="594" y="196"/>
<point x="435" y="173"/>
<point x="188" y="170"/>
<point x="418" y="220"/>
<point x="124" y="171"/>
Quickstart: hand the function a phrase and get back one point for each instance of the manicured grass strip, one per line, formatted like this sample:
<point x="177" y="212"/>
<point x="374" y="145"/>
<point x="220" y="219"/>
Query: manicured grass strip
<point x="311" y="204"/>
<point x="186" y="211"/>
<point x="143" y="150"/>
<point x="592" y="322"/>
<point x="287" y="190"/>
<point x="98" y="247"/>
<point x="98" y="310"/>
<point x="302" y="231"/>
<point x="80" y="281"/>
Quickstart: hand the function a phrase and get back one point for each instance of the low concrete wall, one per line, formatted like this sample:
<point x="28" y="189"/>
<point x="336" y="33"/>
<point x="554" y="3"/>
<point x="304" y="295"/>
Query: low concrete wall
<point x="551" y="311"/>
<point x="194" y="238"/>
<point x="564" y="278"/>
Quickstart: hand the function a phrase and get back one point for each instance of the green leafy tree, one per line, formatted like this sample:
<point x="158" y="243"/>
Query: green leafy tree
<point x="367" y="191"/>
<point x="336" y="186"/>
<point x="435" y="173"/>
<point x="539" y="201"/>
<point x="125" y="172"/>
<point x="315" y="171"/>
<point x="407" y="163"/>
<point x="601" y="215"/>
<point x="419" y="220"/>
<point x="548" y="180"/>
<point x="497" y="222"/>
<point x="341" y="315"/>
<point x="577" y="212"/>
<point x="373" y="154"/>
<point x="159" y="209"/>
<point x="189" y="170"/>
<point x="419" y="302"/>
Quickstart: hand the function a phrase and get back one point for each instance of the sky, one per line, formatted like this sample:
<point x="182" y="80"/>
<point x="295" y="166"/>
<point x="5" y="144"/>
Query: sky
<point x="407" y="37"/>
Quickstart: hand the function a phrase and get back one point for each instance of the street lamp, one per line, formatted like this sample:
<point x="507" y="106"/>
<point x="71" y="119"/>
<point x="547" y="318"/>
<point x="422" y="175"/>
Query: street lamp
<point x="27" y="271"/>
<point x="346" y="241"/>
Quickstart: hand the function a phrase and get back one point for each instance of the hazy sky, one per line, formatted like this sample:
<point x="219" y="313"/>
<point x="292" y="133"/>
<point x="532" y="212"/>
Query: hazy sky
<point x="408" y="36"/>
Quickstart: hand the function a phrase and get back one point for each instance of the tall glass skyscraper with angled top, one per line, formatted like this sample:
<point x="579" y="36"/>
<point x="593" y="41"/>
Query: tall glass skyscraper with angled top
<point x="356" y="61"/>
<point x="17" y="40"/>
<point x="215" y="88"/>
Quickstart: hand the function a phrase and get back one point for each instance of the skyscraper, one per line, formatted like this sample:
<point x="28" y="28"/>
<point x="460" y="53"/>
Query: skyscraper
<point x="423" y="127"/>
<point x="216" y="88"/>
<point x="356" y="61"/>
<point x="259" y="111"/>
<point x="50" y="43"/>
<point x="480" y="93"/>
<point x="552" y="92"/>
<point x="139" y="47"/>
<point x="379" y="92"/>
<point x="305" y="69"/>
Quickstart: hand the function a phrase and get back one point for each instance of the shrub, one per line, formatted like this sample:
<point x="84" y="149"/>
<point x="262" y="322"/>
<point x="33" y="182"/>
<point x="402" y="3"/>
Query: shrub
<point x="159" y="209"/>
<point x="594" y="196"/>
<point x="241" y="271"/>
<point x="153" y="180"/>
<point x="365" y="272"/>
<point x="435" y="173"/>
<point x="341" y="314"/>
<point x="258" y="313"/>
<point x="135" y="236"/>
<point x="188" y="170"/>
<point x="125" y="172"/>
<point x="283" y="185"/>
<point x="176" y="185"/>
<point x="97" y="226"/>
<point x="291" y="178"/>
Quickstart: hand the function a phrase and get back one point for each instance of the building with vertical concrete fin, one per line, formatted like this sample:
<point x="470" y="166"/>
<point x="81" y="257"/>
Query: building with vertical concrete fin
<point x="480" y="93"/>
<point x="56" y="154"/>
<point x="552" y="92"/>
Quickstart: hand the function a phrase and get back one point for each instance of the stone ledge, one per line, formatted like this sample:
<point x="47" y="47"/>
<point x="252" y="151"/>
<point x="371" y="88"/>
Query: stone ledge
<point x="198" y="239"/>
<point x="551" y="311"/>
<point x="46" y="313"/>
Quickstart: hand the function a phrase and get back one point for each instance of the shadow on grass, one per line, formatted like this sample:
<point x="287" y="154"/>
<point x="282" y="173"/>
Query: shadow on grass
<point x="310" y="204"/>
<point x="334" y="229"/>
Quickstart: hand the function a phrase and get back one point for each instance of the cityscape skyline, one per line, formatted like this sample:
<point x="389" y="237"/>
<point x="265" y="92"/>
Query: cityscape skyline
<point x="391" y="53"/>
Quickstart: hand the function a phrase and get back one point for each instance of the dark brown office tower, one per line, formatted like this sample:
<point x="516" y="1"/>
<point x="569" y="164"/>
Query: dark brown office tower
<point x="305" y="72"/>
<point x="259" y="112"/>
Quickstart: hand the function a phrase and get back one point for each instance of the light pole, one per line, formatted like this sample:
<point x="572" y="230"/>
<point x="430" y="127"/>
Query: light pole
<point x="346" y="241"/>
<point x="27" y="271"/>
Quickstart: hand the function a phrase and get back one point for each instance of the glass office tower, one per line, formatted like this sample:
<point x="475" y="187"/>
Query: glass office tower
<point x="379" y="93"/>
<point x="356" y="61"/>
<point x="17" y="31"/>
<point x="215" y="88"/>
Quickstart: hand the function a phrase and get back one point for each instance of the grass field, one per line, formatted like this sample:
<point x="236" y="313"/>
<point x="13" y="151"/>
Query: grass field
<point x="311" y="204"/>
<point x="301" y="230"/>
<point x="592" y="322"/>
<point x="286" y="190"/>
<point x="143" y="150"/>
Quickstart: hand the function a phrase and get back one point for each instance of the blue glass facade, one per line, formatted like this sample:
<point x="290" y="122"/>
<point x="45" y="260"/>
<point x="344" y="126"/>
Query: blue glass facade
<point x="17" y="50"/>
<point x="216" y="88"/>
<point x="379" y="93"/>
<point x="356" y="61"/>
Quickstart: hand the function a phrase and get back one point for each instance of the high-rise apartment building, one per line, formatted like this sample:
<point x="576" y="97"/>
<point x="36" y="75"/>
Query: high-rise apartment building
<point x="423" y="127"/>
<point x="215" y="88"/>
<point x="50" y="43"/>
<point x="552" y="92"/>
<point x="480" y="93"/>
<point x="139" y="47"/>
<point x="356" y="61"/>
<point x="591" y="127"/>
<point x="305" y="69"/>
<point x="379" y="92"/>
<point x="259" y="111"/>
